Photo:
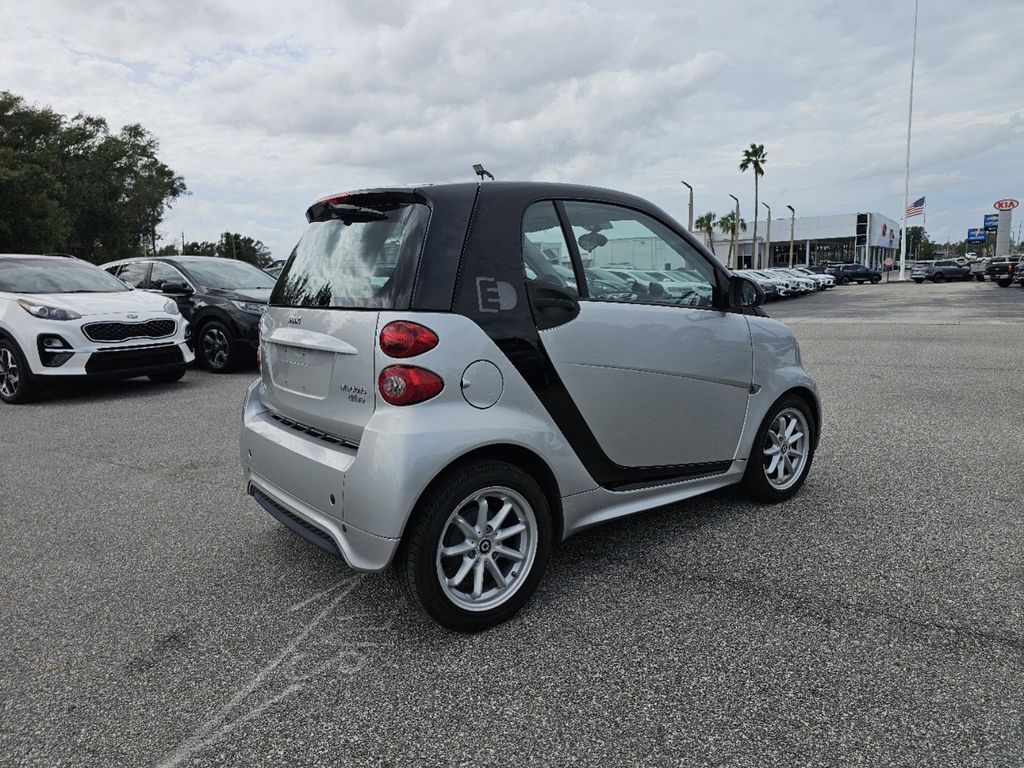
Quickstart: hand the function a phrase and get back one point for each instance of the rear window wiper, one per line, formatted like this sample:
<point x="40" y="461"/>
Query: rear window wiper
<point x="350" y="213"/>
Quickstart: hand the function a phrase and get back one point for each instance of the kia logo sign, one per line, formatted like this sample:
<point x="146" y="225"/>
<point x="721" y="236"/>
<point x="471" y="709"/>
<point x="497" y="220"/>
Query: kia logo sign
<point x="1005" y="205"/>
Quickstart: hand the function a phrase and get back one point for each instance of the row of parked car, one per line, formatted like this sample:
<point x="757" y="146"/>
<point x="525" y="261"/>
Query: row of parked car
<point x="62" y="318"/>
<point x="1004" y="271"/>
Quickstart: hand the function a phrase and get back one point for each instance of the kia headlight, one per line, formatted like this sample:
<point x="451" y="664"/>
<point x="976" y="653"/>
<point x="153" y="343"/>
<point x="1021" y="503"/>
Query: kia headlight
<point x="171" y="307"/>
<point x="251" y="307"/>
<point x="46" y="312"/>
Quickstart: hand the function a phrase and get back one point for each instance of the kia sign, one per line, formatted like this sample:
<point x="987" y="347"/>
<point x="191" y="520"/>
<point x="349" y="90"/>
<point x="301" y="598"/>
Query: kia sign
<point x="1005" y="205"/>
<point x="976" y="235"/>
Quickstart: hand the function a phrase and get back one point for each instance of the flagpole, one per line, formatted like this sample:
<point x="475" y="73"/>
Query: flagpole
<point x="906" y="179"/>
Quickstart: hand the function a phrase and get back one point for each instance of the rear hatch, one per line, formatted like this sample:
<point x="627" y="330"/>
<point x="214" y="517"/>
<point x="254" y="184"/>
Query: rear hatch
<point x="358" y="256"/>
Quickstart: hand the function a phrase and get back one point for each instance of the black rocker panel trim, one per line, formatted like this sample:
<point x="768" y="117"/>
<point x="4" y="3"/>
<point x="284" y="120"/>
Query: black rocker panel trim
<point x="492" y="255"/>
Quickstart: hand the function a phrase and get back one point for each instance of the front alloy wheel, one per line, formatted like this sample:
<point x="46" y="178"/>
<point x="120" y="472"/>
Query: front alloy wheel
<point x="786" y="449"/>
<point x="17" y="385"/>
<point x="10" y="378"/>
<point x="783" y="450"/>
<point x="216" y="347"/>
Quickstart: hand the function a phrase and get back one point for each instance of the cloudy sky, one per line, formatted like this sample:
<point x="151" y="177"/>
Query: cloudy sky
<point x="265" y="106"/>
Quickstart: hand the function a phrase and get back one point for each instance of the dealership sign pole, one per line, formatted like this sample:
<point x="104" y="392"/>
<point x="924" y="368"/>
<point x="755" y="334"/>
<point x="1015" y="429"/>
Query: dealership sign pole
<point x="906" y="180"/>
<point x="1005" y="208"/>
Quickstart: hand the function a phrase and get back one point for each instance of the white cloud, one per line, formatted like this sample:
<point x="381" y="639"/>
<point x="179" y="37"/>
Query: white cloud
<point x="264" y="107"/>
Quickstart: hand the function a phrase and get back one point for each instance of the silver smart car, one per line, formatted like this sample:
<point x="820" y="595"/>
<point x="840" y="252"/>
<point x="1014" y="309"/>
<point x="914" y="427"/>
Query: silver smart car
<point x="434" y="394"/>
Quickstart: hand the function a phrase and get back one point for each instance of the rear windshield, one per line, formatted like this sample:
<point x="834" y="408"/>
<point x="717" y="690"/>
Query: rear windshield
<point x="27" y="275"/>
<point x="356" y="257"/>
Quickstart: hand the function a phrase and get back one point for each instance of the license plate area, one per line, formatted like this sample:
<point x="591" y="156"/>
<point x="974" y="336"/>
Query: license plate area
<point x="302" y="371"/>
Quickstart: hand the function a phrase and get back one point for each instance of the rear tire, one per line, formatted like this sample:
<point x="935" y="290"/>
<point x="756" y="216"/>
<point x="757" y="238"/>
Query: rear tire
<point x="980" y="278"/>
<point x="167" y="377"/>
<point x="1004" y="283"/>
<point x="216" y="347"/>
<point x="844" y="281"/>
<point x="763" y="480"/>
<point x="447" y="538"/>
<point x="17" y="384"/>
<point x="876" y="280"/>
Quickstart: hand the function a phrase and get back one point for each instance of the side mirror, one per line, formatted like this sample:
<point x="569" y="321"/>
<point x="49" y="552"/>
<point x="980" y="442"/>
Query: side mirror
<point x="744" y="292"/>
<point x="176" y="287"/>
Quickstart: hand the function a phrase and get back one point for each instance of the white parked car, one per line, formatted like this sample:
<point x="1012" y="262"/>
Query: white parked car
<point x="62" y="317"/>
<point x="800" y="282"/>
<point x="824" y="281"/>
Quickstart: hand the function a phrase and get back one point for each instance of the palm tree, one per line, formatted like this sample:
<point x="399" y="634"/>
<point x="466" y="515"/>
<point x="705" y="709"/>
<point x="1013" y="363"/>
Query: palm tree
<point x="727" y="224"/>
<point x="706" y="224"/>
<point x="755" y="158"/>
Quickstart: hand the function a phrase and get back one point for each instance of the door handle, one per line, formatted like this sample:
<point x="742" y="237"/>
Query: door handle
<point x="554" y="302"/>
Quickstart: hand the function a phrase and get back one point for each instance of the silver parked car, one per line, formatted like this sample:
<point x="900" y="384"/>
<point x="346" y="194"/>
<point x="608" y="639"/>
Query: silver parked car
<point x="476" y="408"/>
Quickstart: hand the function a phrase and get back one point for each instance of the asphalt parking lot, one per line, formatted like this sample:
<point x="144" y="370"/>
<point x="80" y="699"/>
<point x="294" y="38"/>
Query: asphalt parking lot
<point x="155" y="615"/>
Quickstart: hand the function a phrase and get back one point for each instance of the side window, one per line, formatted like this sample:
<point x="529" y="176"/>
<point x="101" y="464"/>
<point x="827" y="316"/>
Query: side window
<point x="546" y="255"/>
<point x="163" y="273"/>
<point x="629" y="256"/>
<point x="134" y="273"/>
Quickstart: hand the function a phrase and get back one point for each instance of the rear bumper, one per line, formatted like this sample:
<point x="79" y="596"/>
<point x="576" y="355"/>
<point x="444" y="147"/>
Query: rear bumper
<point x="359" y="550"/>
<point x="300" y="480"/>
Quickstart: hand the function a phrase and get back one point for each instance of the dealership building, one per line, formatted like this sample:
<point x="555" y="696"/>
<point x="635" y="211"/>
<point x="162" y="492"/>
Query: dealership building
<point x="865" y="238"/>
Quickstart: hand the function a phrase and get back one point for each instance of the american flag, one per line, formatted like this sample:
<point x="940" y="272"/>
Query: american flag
<point x="916" y="208"/>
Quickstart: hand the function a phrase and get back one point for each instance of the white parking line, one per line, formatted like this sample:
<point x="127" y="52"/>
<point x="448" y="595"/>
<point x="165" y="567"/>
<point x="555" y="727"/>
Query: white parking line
<point x="221" y="723"/>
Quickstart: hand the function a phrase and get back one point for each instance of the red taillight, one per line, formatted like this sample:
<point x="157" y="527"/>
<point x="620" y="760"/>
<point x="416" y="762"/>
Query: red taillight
<point x="406" y="385"/>
<point x="402" y="339"/>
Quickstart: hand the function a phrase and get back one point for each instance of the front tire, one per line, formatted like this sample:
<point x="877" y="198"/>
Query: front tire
<point x="980" y="278"/>
<point x="1004" y="283"/>
<point x="168" y="377"/>
<point x="17" y="384"/>
<point x="844" y="281"/>
<point x="938" y="277"/>
<point x="782" y="452"/>
<point x="876" y="280"/>
<point x="918" y="280"/>
<point x="216" y="347"/>
<point x="477" y="546"/>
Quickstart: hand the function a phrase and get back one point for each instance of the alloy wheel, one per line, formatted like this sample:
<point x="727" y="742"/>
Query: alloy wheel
<point x="486" y="549"/>
<point x="9" y="376"/>
<point x="216" y="347"/>
<point x="785" y="449"/>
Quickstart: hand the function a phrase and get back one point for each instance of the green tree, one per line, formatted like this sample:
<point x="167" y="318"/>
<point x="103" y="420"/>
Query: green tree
<point x="727" y="224"/>
<point x="235" y="246"/>
<point x="919" y="245"/>
<point x="755" y="158"/>
<point x="32" y="218"/>
<point x="204" y="248"/>
<point x="70" y="185"/>
<point x="706" y="224"/>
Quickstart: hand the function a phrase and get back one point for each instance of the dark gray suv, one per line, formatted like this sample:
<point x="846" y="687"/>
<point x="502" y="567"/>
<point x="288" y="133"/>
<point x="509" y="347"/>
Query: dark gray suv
<point x="939" y="271"/>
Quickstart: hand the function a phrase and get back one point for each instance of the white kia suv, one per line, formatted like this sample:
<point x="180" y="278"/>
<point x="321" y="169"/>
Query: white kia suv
<point x="65" y="318"/>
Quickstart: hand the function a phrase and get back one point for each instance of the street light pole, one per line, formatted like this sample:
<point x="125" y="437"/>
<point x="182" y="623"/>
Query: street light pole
<point x="735" y="233"/>
<point x="689" y="226"/>
<point x="906" y="179"/>
<point x="768" y="237"/>
<point x="792" y="224"/>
